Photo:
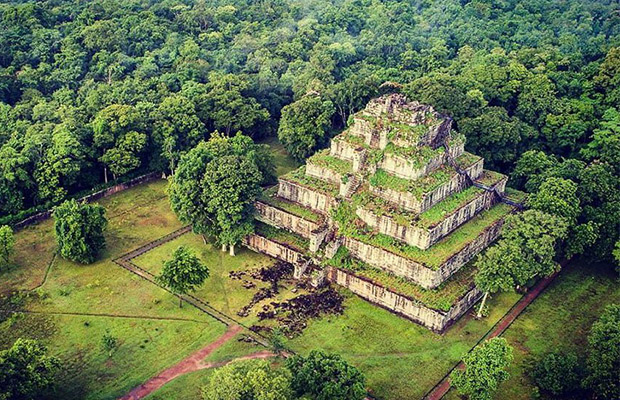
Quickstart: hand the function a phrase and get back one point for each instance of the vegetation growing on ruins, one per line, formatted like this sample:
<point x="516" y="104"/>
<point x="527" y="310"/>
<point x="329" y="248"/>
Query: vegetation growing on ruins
<point x="441" y="298"/>
<point x="323" y="159"/>
<point x="282" y="236"/>
<point x="349" y="225"/>
<point x="269" y="197"/>
<point x="299" y="176"/>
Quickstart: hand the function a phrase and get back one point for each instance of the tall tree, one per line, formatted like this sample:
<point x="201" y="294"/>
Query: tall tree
<point x="215" y="187"/>
<point x="177" y="128"/>
<point x="251" y="380"/>
<point x="305" y="125"/>
<point x="7" y="242"/>
<point x="26" y="371"/>
<point x="183" y="272"/>
<point x="485" y="369"/>
<point x="115" y="136"/>
<point x="79" y="230"/>
<point x="604" y="354"/>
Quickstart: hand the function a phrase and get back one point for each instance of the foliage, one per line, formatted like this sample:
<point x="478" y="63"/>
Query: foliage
<point x="7" y="242"/>
<point x="604" y="354"/>
<point x="183" y="272"/>
<point x="557" y="374"/>
<point x="25" y="370"/>
<point x="248" y="380"/>
<point x="305" y="124"/>
<point x="109" y="343"/>
<point x="325" y="376"/>
<point x="216" y="184"/>
<point x="484" y="369"/>
<point x="79" y="230"/>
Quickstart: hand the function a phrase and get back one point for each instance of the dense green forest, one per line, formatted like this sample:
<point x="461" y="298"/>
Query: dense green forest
<point x="92" y="91"/>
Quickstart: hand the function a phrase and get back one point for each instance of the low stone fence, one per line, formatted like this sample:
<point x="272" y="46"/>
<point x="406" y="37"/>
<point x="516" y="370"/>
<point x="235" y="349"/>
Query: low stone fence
<point x="436" y="320"/>
<point x="305" y="196"/>
<point x="91" y="197"/>
<point x="417" y="272"/>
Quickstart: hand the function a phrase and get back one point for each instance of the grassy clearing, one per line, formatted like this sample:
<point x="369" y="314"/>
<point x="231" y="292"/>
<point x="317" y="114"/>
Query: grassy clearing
<point x="269" y="197"/>
<point x="400" y="359"/>
<point x="185" y="387"/>
<point x="220" y="291"/>
<point x="153" y="332"/>
<point x="559" y="319"/>
<point x="283" y="161"/>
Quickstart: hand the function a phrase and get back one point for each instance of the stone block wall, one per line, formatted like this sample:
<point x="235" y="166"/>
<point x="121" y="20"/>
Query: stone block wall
<point x="342" y="149"/>
<point x="422" y="275"/>
<point x="305" y="196"/>
<point x="393" y="263"/>
<point x="326" y="174"/>
<point x="274" y="249"/>
<point x="481" y="242"/>
<point x="283" y="219"/>
<point x="423" y="238"/>
<point x="436" y="320"/>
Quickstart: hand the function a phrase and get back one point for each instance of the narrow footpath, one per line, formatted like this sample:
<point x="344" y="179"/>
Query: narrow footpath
<point x="192" y="363"/>
<point x="440" y="390"/>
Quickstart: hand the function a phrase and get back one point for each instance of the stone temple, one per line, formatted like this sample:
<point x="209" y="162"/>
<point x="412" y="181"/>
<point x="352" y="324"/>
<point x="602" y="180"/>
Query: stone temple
<point x="395" y="210"/>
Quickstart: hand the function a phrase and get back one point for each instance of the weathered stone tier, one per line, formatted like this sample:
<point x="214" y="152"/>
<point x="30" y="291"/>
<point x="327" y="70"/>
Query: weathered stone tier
<point x="275" y="249"/>
<point x="418" y="203"/>
<point x="424" y="231"/>
<point x="436" y="320"/>
<point x="306" y="195"/>
<point x="417" y="270"/>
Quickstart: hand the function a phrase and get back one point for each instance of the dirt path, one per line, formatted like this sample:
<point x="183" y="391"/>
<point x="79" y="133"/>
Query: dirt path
<point x="440" y="390"/>
<point x="192" y="363"/>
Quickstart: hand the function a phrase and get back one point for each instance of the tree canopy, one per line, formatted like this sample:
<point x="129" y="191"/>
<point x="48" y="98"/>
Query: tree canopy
<point x="183" y="272"/>
<point x="326" y="376"/>
<point x="26" y="370"/>
<point x="80" y="230"/>
<point x="485" y="369"/>
<point x="216" y="184"/>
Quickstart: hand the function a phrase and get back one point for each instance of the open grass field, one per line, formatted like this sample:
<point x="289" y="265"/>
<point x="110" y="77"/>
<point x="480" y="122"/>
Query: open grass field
<point x="220" y="291"/>
<point x="76" y="304"/>
<point x="559" y="319"/>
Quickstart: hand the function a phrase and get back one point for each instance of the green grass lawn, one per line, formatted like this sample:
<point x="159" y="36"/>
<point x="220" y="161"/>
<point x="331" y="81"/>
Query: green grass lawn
<point x="400" y="359"/>
<point x="153" y="332"/>
<point x="221" y="292"/>
<point x="284" y="162"/>
<point x="185" y="387"/>
<point x="559" y="319"/>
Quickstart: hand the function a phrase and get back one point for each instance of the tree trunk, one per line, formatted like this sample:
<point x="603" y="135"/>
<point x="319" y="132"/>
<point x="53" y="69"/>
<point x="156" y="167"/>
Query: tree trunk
<point x="180" y="301"/>
<point x="105" y="174"/>
<point x="223" y="247"/>
<point x="204" y="239"/>
<point x="484" y="299"/>
<point x="232" y="250"/>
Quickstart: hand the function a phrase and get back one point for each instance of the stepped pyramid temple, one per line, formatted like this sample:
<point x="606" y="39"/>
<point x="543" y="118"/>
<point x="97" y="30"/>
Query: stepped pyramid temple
<point x="394" y="210"/>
